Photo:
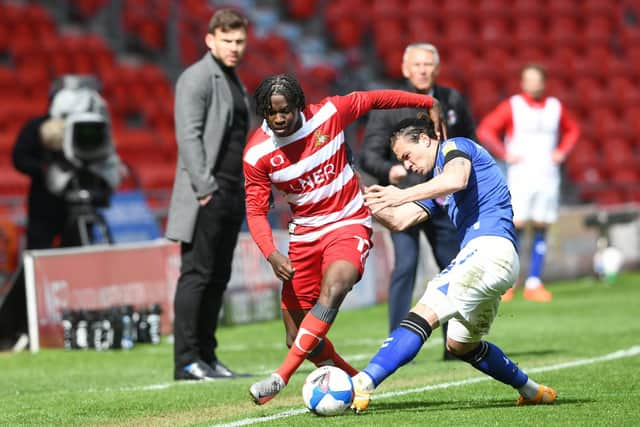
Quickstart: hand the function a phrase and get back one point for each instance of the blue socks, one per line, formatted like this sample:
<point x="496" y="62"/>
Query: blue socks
<point x="489" y="359"/>
<point x="538" y="251"/>
<point x="405" y="342"/>
<point x="400" y="348"/>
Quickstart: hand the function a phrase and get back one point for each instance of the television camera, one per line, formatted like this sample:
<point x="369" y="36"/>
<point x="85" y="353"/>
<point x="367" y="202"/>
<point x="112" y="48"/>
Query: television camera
<point x="84" y="167"/>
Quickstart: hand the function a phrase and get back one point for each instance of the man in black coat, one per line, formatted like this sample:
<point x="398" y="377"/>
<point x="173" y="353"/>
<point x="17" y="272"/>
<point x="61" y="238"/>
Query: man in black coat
<point x="420" y="66"/>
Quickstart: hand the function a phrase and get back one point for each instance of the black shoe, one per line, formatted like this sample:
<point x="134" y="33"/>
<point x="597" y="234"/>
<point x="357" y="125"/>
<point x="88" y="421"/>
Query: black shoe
<point x="223" y="372"/>
<point x="197" y="370"/>
<point x="448" y="356"/>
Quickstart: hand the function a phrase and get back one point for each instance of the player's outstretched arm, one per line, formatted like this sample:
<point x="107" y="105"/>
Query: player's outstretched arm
<point x="401" y="217"/>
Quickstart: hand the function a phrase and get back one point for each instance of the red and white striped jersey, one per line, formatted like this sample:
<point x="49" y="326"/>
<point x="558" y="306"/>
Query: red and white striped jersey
<point x="311" y="168"/>
<point x="522" y="117"/>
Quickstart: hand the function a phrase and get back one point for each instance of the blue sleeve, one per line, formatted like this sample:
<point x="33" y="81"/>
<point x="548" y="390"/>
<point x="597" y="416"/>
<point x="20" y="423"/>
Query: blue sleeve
<point x="428" y="205"/>
<point x="458" y="147"/>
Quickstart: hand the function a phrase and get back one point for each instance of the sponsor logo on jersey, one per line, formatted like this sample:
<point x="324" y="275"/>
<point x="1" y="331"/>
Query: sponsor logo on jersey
<point x="448" y="146"/>
<point x="314" y="179"/>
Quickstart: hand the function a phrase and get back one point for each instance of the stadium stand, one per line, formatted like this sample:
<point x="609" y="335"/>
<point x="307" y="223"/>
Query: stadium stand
<point x="591" y="49"/>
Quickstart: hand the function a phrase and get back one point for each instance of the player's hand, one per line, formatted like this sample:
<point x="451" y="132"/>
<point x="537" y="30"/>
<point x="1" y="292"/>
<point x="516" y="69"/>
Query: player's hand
<point x="206" y="199"/>
<point x="512" y="158"/>
<point x="396" y="174"/>
<point x="281" y="266"/>
<point x="558" y="157"/>
<point x="435" y="113"/>
<point x="378" y="197"/>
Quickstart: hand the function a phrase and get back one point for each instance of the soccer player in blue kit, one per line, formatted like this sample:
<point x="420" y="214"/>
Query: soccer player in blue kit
<point x="469" y="184"/>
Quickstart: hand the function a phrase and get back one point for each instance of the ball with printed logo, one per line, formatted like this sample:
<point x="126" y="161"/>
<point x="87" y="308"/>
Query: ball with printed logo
<point x="327" y="391"/>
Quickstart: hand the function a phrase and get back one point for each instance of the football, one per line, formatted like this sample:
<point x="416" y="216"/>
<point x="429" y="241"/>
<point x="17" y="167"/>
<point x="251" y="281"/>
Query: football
<point x="327" y="391"/>
<point x="607" y="263"/>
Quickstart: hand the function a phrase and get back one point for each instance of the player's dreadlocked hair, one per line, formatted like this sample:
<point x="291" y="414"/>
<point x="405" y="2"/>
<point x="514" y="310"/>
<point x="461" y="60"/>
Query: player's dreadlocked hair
<point x="412" y="128"/>
<point x="280" y="84"/>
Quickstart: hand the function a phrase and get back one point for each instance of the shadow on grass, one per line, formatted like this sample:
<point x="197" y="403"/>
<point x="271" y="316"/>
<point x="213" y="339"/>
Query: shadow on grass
<point x="419" y="405"/>
<point x="531" y="353"/>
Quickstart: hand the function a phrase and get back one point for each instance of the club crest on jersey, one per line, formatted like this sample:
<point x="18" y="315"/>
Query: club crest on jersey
<point x="320" y="139"/>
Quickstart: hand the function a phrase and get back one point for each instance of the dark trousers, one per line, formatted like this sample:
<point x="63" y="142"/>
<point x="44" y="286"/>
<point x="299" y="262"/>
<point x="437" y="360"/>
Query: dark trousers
<point x="444" y="242"/>
<point x="204" y="275"/>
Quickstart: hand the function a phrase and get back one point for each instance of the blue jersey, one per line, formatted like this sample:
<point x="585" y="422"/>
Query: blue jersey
<point x="484" y="207"/>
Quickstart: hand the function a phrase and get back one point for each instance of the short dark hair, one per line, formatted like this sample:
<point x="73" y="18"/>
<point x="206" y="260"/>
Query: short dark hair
<point x="226" y="20"/>
<point x="413" y="127"/>
<point x="279" y="84"/>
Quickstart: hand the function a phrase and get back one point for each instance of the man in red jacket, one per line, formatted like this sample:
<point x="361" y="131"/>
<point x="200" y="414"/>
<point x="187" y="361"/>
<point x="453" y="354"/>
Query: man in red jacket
<point x="538" y="135"/>
<point x="301" y="150"/>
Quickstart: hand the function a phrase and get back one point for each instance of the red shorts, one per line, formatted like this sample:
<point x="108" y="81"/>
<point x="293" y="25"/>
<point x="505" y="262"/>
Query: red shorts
<point x="310" y="259"/>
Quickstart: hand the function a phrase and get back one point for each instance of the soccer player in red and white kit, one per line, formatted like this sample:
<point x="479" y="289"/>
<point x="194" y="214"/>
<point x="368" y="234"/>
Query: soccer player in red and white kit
<point x="538" y="134"/>
<point x="300" y="149"/>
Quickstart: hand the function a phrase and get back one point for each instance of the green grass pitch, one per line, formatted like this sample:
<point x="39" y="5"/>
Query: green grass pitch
<point x="585" y="343"/>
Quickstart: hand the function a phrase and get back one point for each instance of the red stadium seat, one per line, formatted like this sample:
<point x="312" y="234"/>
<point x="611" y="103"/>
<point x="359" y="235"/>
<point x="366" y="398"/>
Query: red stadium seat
<point x="486" y="71"/>
<point x="629" y="35"/>
<point x="494" y="8"/>
<point x="618" y="67"/>
<point x="347" y="34"/>
<point x="422" y="9"/>
<point x="562" y="8"/>
<point x="458" y="8"/>
<point x="88" y="8"/>
<point x="597" y="31"/>
<point x="387" y="9"/>
<point x="500" y="58"/>
<point x="461" y="32"/>
<point x="624" y="178"/>
<point x="495" y="32"/>
<point x="618" y="86"/>
<point x="301" y="9"/>
<point x="609" y="197"/>
<point x="152" y="33"/>
<point x="563" y="58"/>
<point x="156" y="176"/>
<point x="632" y="118"/>
<point x="424" y="29"/>
<point x="529" y="8"/>
<point x="534" y="52"/>
<point x="563" y="31"/>
<point x="633" y="194"/>
<point x="590" y="177"/>
<point x="13" y="183"/>
<point x="598" y="8"/>
<point x="392" y="64"/>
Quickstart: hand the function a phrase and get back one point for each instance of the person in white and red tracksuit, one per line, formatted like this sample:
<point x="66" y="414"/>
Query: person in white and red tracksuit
<point x="533" y="133"/>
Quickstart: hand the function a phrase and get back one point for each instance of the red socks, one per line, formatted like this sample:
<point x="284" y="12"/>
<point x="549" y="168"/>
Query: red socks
<point x="311" y="331"/>
<point x="328" y="356"/>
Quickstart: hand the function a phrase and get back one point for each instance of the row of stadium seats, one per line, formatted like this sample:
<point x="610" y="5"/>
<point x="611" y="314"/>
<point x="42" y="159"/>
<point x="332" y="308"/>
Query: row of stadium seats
<point x="590" y="50"/>
<point x="140" y="97"/>
<point x="596" y="78"/>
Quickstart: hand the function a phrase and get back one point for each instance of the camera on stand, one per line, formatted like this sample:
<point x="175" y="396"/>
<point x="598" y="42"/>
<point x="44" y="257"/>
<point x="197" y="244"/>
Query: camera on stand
<point x="84" y="166"/>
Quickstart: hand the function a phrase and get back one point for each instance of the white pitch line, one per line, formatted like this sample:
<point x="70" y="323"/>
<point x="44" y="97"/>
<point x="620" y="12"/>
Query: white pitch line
<point x="265" y="371"/>
<point x="630" y="352"/>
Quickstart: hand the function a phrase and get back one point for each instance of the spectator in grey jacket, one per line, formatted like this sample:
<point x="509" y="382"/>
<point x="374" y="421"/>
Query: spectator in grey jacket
<point x="207" y="203"/>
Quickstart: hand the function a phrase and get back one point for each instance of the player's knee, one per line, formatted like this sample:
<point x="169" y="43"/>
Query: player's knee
<point x="467" y="352"/>
<point x="460" y="349"/>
